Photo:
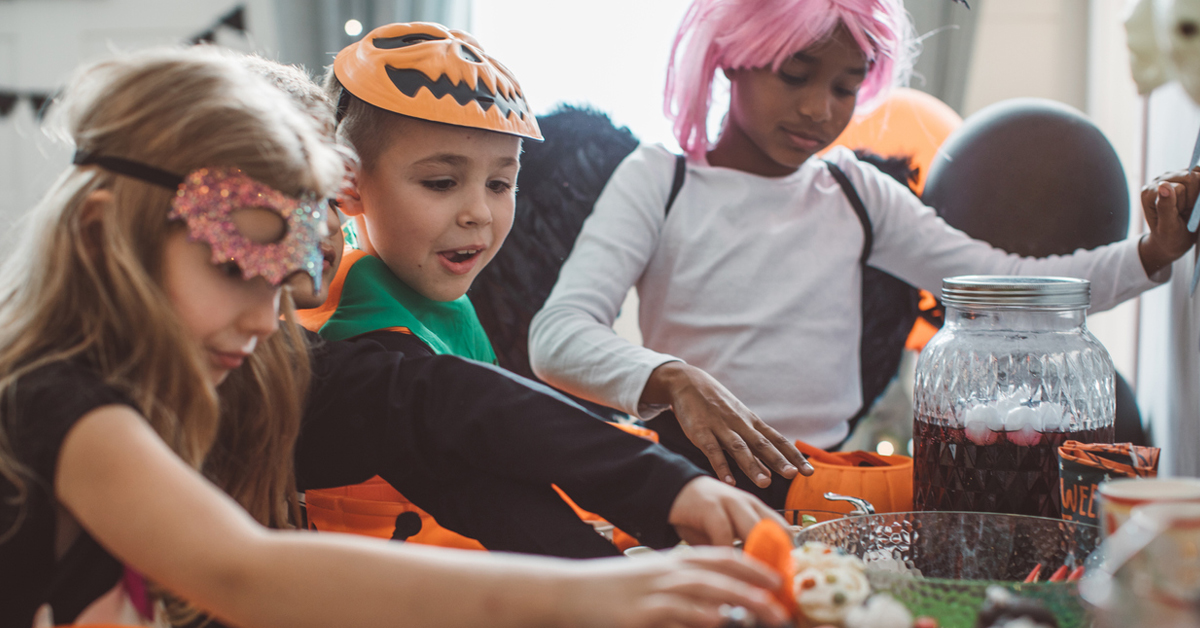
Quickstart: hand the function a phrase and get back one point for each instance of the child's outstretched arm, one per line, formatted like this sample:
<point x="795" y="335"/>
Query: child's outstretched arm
<point x="914" y="244"/>
<point x="153" y="512"/>
<point x="708" y="512"/>
<point x="426" y="423"/>
<point x="1167" y="203"/>
<point x="717" y="422"/>
<point x="572" y="345"/>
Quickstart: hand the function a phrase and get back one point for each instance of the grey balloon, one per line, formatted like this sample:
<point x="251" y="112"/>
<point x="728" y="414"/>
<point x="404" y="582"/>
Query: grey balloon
<point x="1030" y="176"/>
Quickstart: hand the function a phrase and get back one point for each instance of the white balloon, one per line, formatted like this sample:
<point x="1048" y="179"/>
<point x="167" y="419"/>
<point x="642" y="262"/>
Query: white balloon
<point x="1147" y="63"/>
<point x="1164" y="44"/>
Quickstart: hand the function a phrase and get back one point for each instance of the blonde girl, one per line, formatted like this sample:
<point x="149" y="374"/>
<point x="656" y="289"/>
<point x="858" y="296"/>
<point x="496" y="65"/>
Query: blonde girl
<point x="151" y="394"/>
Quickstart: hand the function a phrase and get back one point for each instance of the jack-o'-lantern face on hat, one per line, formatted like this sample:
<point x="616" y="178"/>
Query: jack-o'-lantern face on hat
<point x="428" y="71"/>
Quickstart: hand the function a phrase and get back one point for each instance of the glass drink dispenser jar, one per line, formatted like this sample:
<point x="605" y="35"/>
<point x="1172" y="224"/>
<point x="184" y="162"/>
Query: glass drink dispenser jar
<point x="1012" y="374"/>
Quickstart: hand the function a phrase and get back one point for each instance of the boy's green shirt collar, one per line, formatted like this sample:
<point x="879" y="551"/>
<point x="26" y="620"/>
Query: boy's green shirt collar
<point x="373" y="298"/>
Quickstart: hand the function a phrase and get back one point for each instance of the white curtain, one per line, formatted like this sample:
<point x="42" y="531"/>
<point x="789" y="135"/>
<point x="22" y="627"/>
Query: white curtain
<point x="948" y="29"/>
<point x="1169" y="339"/>
<point x="311" y="32"/>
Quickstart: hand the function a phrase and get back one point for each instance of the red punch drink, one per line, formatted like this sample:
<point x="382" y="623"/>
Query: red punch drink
<point x="1012" y="375"/>
<point x="1012" y="471"/>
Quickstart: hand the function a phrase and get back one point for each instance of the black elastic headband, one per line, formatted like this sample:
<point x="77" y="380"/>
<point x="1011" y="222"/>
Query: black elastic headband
<point x="343" y="106"/>
<point x="134" y="169"/>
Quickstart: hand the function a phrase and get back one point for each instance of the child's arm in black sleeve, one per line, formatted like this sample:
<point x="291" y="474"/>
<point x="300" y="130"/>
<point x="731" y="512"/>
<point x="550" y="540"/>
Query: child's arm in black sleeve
<point x="399" y="341"/>
<point x="370" y="407"/>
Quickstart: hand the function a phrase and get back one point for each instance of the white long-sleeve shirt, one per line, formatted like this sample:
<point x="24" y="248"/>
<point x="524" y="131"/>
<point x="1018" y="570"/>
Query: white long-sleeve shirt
<point x="756" y="281"/>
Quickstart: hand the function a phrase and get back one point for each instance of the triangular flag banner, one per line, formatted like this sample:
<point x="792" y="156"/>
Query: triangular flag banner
<point x="236" y="18"/>
<point x="207" y="37"/>
<point x="8" y="100"/>
<point x="40" y="103"/>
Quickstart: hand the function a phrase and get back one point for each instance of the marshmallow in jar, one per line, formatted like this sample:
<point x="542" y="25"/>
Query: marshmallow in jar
<point x="1012" y="374"/>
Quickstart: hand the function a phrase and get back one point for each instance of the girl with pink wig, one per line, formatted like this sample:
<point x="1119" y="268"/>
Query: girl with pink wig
<point x="735" y="34"/>
<point x="748" y="252"/>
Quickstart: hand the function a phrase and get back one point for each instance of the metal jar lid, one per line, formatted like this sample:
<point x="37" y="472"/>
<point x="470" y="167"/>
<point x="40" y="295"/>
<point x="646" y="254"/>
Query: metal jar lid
<point x="1034" y="293"/>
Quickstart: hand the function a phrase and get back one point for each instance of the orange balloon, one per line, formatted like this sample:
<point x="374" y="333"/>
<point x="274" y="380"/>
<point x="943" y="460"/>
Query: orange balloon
<point x="908" y="123"/>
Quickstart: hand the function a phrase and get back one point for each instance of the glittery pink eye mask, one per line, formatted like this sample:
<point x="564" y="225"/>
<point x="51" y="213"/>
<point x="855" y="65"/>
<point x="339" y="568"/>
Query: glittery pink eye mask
<point x="206" y="200"/>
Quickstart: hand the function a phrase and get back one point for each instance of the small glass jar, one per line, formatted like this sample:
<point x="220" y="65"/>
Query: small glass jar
<point x="1012" y="374"/>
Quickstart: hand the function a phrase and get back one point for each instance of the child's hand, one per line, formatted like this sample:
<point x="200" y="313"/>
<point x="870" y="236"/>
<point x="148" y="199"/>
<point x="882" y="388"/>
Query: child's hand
<point x="683" y="589"/>
<point x="1167" y="203"/>
<point x="717" y="422"/>
<point x="707" y="512"/>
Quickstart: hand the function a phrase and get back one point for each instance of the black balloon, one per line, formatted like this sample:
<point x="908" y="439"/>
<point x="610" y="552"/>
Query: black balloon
<point x="1033" y="177"/>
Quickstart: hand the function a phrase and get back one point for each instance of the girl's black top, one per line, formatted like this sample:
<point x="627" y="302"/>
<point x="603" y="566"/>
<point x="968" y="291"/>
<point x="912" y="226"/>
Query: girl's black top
<point x="475" y="445"/>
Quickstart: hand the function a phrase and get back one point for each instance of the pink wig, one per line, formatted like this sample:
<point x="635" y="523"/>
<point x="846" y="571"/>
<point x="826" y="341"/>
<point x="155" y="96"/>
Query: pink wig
<point x="735" y="34"/>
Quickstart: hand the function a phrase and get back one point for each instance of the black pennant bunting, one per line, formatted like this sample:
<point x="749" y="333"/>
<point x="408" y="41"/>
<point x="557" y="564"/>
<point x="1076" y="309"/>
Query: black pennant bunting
<point x="8" y="100"/>
<point x="37" y="100"/>
<point x="236" y="19"/>
<point x="40" y="103"/>
<point x="207" y="37"/>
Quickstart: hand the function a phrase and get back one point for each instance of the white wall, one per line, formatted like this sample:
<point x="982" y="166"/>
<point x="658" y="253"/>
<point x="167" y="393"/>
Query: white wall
<point x="1028" y="48"/>
<point x="1112" y="101"/>
<point x="1071" y="51"/>
<point x="1169" y="390"/>
<point x="590" y="53"/>
<point x="611" y="54"/>
<point x="42" y="42"/>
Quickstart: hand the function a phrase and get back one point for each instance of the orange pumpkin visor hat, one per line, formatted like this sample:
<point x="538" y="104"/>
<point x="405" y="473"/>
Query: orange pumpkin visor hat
<point x="427" y="71"/>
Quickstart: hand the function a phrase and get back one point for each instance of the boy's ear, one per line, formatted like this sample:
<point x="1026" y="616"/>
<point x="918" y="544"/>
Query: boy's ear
<point x="91" y="216"/>
<point x="349" y="198"/>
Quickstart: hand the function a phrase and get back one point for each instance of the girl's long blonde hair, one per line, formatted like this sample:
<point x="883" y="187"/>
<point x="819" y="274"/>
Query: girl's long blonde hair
<point x="90" y="290"/>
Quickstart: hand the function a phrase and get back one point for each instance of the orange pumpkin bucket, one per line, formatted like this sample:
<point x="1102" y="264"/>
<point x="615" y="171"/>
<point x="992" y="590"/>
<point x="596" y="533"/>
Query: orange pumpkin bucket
<point x="884" y="481"/>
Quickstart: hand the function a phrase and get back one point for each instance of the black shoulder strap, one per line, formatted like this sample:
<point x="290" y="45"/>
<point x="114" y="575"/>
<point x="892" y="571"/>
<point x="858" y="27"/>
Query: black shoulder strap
<point x="677" y="183"/>
<point x="859" y="209"/>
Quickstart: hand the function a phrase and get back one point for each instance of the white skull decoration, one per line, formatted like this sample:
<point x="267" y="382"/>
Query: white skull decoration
<point x="1164" y="44"/>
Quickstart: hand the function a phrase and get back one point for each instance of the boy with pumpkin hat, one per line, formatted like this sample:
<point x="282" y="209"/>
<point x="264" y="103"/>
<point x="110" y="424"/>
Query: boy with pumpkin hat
<point x="438" y="125"/>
